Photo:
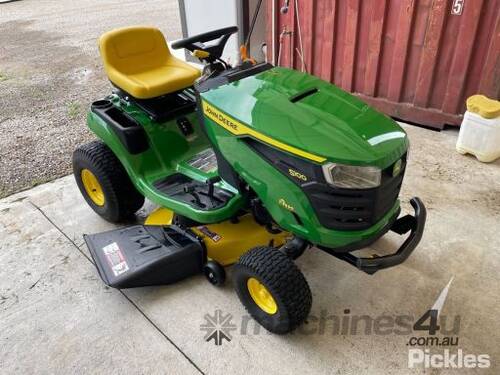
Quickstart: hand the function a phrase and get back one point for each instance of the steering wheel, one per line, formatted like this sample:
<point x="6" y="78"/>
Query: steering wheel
<point x="215" y="50"/>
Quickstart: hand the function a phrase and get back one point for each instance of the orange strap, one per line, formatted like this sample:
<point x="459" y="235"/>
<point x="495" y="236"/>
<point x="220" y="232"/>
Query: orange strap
<point x="245" y="56"/>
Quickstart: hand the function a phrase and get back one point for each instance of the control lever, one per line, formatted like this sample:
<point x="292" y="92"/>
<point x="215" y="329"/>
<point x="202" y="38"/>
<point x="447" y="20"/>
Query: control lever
<point x="211" y="182"/>
<point x="191" y="190"/>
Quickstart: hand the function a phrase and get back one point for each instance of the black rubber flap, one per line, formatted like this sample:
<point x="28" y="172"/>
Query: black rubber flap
<point x="145" y="255"/>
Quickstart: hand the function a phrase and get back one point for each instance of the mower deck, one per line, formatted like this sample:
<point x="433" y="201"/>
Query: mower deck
<point x="145" y="255"/>
<point x="159" y="253"/>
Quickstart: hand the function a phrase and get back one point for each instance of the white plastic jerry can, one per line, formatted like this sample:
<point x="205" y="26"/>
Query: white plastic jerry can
<point x="480" y="129"/>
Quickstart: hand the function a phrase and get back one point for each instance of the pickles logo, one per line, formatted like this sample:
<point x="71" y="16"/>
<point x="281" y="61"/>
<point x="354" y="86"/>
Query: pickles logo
<point x="284" y="204"/>
<point x="219" y="117"/>
<point x="296" y="174"/>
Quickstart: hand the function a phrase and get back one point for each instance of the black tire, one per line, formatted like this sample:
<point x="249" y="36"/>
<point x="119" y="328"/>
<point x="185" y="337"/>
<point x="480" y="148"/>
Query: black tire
<point x="122" y="200"/>
<point x="215" y="273"/>
<point x="282" y="279"/>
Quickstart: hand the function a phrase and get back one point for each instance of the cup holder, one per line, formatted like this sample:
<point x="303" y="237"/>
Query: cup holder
<point x="102" y="104"/>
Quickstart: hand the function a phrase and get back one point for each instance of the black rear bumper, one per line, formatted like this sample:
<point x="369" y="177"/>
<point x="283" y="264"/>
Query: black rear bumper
<point x="413" y="224"/>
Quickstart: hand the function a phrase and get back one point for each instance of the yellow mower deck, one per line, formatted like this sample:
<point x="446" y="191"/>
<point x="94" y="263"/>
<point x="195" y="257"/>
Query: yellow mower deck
<point x="227" y="241"/>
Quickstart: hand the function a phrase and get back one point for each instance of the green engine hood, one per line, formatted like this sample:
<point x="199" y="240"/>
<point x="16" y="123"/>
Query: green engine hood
<point x="329" y="122"/>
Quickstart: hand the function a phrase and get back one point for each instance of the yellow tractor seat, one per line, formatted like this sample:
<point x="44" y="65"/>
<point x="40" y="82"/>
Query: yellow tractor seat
<point x="138" y="61"/>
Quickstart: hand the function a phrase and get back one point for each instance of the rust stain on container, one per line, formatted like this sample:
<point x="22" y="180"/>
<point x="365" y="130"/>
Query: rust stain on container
<point x="412" y="59"/>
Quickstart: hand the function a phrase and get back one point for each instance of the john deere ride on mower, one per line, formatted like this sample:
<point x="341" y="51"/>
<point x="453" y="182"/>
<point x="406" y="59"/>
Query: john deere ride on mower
<point x="250" y="165"/>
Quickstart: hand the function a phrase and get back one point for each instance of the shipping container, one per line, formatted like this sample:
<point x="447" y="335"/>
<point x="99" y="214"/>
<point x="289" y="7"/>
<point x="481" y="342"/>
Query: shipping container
<point x="417" y="60"/>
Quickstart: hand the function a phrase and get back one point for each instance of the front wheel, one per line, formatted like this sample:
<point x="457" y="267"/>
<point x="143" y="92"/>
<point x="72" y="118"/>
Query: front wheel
<point x="104" y="183"/>
<point x="272" y="289"/>
<point x="215" y="273"/>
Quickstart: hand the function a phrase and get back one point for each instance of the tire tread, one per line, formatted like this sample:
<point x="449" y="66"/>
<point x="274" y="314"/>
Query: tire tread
<point x="284" y="278"/>
<point x="120" y="192"/>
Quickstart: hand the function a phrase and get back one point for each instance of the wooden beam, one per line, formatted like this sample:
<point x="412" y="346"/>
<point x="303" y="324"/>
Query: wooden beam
<point x="490" y="82"/>
<point x="463" y="50"/>
<point x="350" y="38"/>
<point x="374" y="46"/>
<point x="428" y="60"/>
<point x="401" y="49"/>
<point x="307" y="23"/>
<point x="328" y="46"/>
<point x="408" y="112"/>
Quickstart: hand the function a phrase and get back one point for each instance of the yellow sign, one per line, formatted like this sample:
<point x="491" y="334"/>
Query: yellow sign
<point x="396" y="170"/>
<point x="284" y="204"/>
<point x="296" y="174"/>
<point x="237" y="128"/>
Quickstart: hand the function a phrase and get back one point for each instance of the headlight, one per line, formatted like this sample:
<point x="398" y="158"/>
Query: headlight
<point x="352" y="177"/>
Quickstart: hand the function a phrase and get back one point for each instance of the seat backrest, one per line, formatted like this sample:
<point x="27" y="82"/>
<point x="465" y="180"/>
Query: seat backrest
<point x="133" y="50"/>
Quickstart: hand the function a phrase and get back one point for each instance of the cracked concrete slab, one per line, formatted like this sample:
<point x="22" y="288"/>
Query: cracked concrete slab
<point x="56" y="316"/>
<point x="460" y="241"/>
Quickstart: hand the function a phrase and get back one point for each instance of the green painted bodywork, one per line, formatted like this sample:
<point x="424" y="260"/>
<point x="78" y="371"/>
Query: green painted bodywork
<point x="329" y="123"/>
<point x="169" y="152"/>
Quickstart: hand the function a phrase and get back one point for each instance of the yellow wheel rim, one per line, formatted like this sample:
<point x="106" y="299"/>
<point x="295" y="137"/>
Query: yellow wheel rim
<point x="261" y="296"/>
<point x="93" y="187"/>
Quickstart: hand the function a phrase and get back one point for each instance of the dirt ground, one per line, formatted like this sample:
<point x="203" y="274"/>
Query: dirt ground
<point x="50" y="72"/>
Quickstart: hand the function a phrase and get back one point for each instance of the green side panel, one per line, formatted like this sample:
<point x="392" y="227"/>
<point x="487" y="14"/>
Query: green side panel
<point x="169" y="153"/>
<point x="272" y="186"/>
<point x="329" y="122"/>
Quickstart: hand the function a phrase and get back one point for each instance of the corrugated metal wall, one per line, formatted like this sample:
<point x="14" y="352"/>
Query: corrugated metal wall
<point x="412" y="59"/>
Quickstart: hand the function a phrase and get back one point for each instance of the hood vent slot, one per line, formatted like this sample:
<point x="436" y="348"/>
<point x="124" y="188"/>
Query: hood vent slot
<point x="304" y="94"/>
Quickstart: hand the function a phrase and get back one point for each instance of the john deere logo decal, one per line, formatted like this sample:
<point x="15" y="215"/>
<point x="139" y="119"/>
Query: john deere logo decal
<point x="396" y="170"/>
<point x="239" y="129"/>
<point x="220" y="118"/>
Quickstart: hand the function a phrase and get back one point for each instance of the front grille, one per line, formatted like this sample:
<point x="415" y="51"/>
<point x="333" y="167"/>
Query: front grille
<point x="336" y="208"/>
<point x="351" y="209"/>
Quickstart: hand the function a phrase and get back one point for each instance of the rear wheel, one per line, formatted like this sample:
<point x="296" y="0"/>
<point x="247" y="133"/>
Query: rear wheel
<point x="104" y="183"/>
<point x="272" y="289"/>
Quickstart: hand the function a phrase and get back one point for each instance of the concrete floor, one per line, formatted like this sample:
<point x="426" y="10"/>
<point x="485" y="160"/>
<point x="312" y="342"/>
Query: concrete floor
<point x="56" y="316"/>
